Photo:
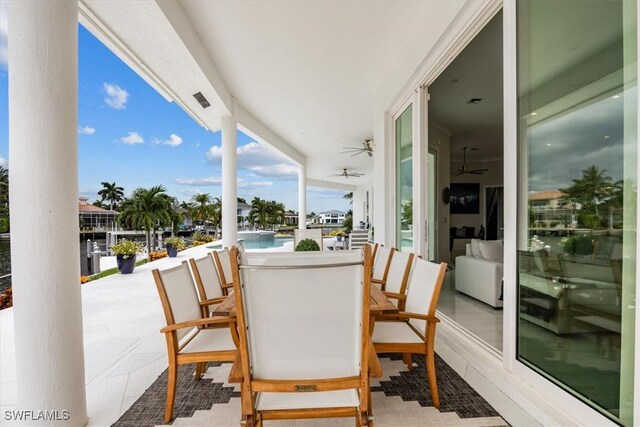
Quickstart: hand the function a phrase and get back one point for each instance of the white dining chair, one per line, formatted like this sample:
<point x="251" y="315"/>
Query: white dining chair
<point x="381" y="263"/>
<point x="303" y="319"/>
<point x="223" y="267"/>
<point x="207" y="281"/>
<point x="395" y="287"/>
<point x="189" y="340"/>
<point x="413" y="330"/>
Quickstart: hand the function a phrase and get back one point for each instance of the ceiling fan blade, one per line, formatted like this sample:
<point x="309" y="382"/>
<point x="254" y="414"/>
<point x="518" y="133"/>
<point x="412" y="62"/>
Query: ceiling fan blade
<point x="479" y="170"/>
<point x="475" y="173"/>
<point x="458" y="174"/>
<point x="355" y="154"/>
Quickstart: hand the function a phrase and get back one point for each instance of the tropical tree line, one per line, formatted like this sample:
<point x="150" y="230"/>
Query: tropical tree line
<point x="266" y="213"/>
<point x="596" y="193"/>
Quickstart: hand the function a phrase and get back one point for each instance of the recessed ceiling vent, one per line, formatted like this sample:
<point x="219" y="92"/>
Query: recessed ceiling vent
<point x="475" y="101"/>
<point x="201" y="99"/>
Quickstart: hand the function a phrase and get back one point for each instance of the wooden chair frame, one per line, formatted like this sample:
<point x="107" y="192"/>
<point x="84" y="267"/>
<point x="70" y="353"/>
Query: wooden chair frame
<point x="173" y="346"/>
<point x="402" y="295"/>
<point x="205" y="301"/>
<point x="427" y="336"/>
<point x="225" y="283"/>
<point x="251" y="386"/>
<point x="382" y="282"/>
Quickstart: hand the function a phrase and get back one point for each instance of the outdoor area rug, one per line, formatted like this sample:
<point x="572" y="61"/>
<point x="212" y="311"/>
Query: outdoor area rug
<point x="401" y="398"/>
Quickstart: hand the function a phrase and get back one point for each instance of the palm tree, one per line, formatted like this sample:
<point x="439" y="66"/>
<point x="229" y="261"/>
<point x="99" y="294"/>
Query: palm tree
<point x="259" y="212"/>
<point x="348" y="196"/>
<point x="146" y="209"/>
<point x="592" y="189"/>
<point x="112" y="193"/>
<point x="201" y="208"/>
<point x="276" y="213"/>
<point x="216" y="214"/>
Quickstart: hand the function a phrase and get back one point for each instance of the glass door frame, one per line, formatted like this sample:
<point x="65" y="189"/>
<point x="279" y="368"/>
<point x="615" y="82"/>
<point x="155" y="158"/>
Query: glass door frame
<point x="513" y="187"/>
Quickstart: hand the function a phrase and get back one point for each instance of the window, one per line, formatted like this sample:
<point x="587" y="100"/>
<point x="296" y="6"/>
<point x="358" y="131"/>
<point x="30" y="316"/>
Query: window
<point x="404" y="181"/>
<point x="577" y="103"/>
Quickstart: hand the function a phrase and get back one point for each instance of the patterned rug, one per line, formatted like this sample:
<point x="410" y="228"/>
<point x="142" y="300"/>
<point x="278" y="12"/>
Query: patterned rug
<point x="401" y="398"/>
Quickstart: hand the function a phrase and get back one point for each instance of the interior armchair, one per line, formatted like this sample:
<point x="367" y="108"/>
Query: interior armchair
<point x="188" y="336"/>
<point x="296" y="360"/>
<point x="413" y="331"/>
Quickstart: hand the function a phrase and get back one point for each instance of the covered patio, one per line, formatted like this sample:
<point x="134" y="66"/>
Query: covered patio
<point x="310" y="80"/>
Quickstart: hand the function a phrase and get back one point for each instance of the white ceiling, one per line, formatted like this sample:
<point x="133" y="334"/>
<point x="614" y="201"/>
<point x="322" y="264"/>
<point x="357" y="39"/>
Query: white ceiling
<point x="310" y="70"/>
<point x="475" y="73"/>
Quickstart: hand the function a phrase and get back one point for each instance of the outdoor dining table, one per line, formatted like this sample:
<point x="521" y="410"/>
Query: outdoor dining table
<point x="379" y="304"/>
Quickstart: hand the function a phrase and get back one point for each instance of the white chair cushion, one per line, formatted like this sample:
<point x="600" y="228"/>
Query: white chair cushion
<point x="209" y="276"/>
<point x="394" y="332"/>
<point x="491" y="250"/>
<point x="380" y="263"/>
<point x="206" y="340"/>
<point x="396" y="272"/>
<point x="475" y="248"/>
<point x="321" y="399"/>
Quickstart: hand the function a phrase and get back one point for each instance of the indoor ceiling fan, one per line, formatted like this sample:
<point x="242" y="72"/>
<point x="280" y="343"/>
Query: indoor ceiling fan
<point x="354" y="151"/>
<point x="465" y="169"/>
<point x="346" y="174"/>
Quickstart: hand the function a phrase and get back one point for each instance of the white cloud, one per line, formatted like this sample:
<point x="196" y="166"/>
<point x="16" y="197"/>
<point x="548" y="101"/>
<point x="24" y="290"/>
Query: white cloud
<point x="115" y="97"/>
<point x="4" y="31"/>
<point x="132" y="138"/>
<point x="215" y="180"/>
<point x="258" y="158"/>
<point x="254" y="184"/>
<point x="211" y="180"/>
<point x="86" y="130"/>
<point x="173" y="141"/>
<point x="4" y="162"/>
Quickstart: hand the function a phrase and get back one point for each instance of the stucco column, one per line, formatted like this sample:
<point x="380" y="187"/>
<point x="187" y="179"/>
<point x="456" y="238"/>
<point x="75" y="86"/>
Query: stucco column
<point x="302" y="197"/>
<point x="229" y="180"/>
<point x="45" y="262"/>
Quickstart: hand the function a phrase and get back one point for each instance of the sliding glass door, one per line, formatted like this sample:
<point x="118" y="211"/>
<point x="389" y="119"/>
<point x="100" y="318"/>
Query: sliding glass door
<point x="577" y="86"/>
<point x="404" y="180"/>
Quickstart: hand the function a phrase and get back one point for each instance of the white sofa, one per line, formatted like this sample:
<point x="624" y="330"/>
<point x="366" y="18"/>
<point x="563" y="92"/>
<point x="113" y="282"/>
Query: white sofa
<point x="479" y="278"/>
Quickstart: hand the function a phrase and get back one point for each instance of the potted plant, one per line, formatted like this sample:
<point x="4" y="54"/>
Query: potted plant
<point x="126" y="251"/>
<point x="174" y="245"/>
<point x="307" y="245"/>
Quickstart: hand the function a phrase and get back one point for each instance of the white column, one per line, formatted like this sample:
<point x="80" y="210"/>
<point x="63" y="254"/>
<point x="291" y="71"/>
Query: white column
<point x="45" y="266"/>
<point x="302" y="197"/>
<point x="229" y="180"/>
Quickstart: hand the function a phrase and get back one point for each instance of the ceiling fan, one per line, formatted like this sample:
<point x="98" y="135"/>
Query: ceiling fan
<point x="465" y="169"/>
<point x="354" y="151"/>
<point x="346" y="174"/>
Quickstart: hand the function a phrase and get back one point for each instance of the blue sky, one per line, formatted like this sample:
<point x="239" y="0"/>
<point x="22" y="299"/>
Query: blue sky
<point x="129" y="134"/>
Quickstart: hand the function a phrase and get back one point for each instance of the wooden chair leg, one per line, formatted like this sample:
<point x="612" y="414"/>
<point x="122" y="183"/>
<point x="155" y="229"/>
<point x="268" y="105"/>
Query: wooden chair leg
<point x="171" y="391"/>
<point x="431" y="377"/>
<point x="406" y="358"/>
<point x="200" y="368"/>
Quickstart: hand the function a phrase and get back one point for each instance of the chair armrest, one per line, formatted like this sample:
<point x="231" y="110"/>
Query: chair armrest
<point x="375" y="368"/>
<point x="394" y="295"/>
<point x="408" y="315"/>
<point x="235" y="375"/>
<point x="196" y="323"/>
<point x="378" y="281"/>
<point x="212" y="301"/>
